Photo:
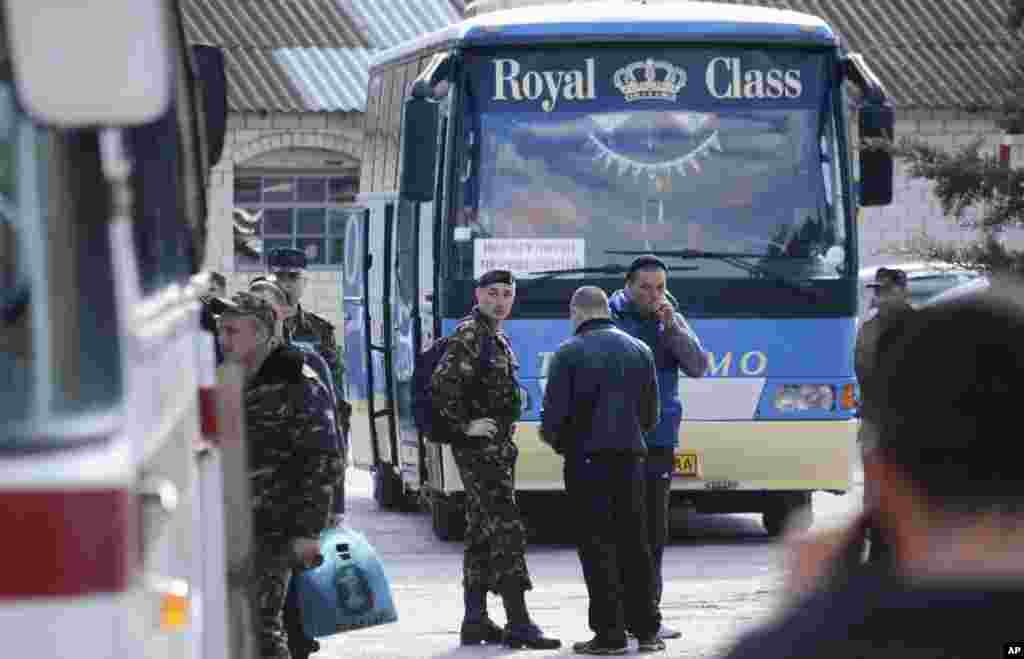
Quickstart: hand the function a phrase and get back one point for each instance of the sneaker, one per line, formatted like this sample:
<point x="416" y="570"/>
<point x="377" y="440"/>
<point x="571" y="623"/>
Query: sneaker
<point x="668" y="633"/>
<point x="651" y="644"/>
<point x="600" y="646"/>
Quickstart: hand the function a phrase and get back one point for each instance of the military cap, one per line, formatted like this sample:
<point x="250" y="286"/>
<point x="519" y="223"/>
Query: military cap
<point x="246" y="304"/>
<point x="496" y="277"/>
<point x="287" y="259"/>
<point x="888" y="278"/>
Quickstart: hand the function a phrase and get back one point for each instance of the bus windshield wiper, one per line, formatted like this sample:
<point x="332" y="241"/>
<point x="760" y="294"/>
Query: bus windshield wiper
<point x="732" y="258"/>
<point x="607" y="269"/>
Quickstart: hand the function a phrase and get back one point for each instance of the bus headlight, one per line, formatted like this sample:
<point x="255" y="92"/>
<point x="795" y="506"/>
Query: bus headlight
<point x="804" y="397"/>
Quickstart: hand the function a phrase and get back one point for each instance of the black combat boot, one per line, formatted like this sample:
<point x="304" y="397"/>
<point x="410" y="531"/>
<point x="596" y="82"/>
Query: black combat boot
<point x="477" y="627"/>
<point x="521" y="631"/>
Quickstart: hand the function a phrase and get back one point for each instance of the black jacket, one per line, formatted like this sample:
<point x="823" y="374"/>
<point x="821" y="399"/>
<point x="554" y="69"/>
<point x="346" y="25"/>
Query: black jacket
<point x="601" y="393"/>
<point x="888" y="617"/>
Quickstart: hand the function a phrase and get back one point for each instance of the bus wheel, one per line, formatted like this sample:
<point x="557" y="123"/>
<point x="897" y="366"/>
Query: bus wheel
<point x="448" y="517"/>
<point x="388" y="490"/>
<point x="789" y="512"/>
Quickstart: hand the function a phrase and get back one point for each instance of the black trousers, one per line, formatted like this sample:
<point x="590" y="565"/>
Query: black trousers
<point x="658" y="491"/>
<point x="606" y="498"/>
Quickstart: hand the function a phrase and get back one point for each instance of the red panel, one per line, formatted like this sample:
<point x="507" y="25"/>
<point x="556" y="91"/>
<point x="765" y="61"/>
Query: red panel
<point x="208" y="413"/>
<point x="67" y="542"/>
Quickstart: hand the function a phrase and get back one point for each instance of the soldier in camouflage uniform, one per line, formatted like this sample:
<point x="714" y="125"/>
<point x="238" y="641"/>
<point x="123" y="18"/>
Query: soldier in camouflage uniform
<point x="287" y="266"/>
<point x="299" y="643"/>
<point x="478" y="411"/>
<point x="892" y="311"/>
<point x="293" y="460"/>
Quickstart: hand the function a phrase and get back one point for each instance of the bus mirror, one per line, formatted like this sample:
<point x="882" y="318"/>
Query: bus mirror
<point x="90" y="63"/>
<point x="419" y="149"/>
<point x="213" y="81"/>
<point x="877" y="131"/>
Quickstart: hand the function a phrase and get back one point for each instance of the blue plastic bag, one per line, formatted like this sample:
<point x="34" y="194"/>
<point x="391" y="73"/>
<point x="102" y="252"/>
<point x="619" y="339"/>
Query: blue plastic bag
<point x="349" y="590"/>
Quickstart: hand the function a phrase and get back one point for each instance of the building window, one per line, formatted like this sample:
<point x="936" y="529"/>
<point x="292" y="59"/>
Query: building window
<point x="307" y="212"/>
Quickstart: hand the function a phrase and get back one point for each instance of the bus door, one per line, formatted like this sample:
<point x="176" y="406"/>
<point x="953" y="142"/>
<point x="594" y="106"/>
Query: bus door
<point x="379" y="336"/>
<point x="405" y="338"/>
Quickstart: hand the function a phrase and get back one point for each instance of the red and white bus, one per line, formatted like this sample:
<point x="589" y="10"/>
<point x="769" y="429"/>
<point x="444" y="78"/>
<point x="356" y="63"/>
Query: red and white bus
<point x="109" y="124"/>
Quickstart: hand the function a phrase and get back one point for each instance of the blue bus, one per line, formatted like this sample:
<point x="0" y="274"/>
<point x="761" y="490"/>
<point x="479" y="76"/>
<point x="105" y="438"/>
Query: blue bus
<point x="560" y="141"/>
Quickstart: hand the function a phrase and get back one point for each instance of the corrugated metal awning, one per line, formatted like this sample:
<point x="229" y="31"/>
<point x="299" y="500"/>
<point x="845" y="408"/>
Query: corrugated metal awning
<point x="274" y="24"/>
<point x="390" y="22"/>
<point x="307" y="55"/>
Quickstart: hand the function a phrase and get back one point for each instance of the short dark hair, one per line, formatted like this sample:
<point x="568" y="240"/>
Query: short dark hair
<point x="218" y="279"/>
<point x="946" y="400"/>
<point x="645" y="263"/>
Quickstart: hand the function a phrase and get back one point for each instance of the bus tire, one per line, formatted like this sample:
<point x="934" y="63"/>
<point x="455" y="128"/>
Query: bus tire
<point x="791" y="512"/>
<point x="448" y="517"/>
<point x="388" y="490"/>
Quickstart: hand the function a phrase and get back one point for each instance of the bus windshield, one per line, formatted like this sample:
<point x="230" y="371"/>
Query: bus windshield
<point x="574" y="153"/>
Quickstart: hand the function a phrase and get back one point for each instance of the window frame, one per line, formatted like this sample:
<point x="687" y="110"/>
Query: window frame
<point x="295" y="235"/>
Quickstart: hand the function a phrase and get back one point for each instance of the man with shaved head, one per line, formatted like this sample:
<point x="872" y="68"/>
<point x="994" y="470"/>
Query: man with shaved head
<point x="600" y="400"/>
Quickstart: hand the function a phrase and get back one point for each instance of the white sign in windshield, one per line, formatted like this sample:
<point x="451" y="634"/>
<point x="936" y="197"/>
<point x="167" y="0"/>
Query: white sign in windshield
<point x="526" y="255"/>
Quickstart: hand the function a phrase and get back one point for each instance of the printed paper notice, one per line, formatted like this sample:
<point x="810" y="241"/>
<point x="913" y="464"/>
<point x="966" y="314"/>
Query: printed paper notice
<point x="527" y="254"/>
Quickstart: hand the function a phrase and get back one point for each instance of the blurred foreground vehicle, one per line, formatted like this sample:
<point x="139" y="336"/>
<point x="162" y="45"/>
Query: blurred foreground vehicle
<point x="110" y="479"/>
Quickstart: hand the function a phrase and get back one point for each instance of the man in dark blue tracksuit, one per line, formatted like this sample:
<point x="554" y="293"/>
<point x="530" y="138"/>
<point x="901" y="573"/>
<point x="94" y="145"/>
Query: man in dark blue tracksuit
<point x="645" y="310"/>
<point x="600" y="400"/>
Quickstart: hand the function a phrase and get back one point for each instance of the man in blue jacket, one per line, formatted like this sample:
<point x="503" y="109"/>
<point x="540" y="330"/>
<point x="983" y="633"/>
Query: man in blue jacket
<point x="645" y="309"/>
<point x="600" y="400"/>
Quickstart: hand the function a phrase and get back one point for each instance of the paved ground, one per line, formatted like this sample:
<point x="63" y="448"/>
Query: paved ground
<point x="722" y="575"/>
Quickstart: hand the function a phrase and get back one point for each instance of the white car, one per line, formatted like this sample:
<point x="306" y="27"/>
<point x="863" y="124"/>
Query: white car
<point x="976" y="285"/>
<point x="924" y="281"/>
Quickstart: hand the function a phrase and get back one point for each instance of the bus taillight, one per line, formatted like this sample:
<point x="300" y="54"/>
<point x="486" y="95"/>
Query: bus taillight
<point x="207" y="386"/>
<point x="67" y="543"/>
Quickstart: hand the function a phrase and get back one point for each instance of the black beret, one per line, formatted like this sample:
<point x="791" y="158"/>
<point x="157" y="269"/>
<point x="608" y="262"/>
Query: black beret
<point x="495" y="277"/>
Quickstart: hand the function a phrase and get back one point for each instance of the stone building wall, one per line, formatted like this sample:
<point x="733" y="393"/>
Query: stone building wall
<point x="313" y="143"/>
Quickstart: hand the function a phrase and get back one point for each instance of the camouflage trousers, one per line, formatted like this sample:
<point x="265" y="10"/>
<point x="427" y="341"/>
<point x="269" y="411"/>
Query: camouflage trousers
<point x="495" y="534"/>
<point x="268" y="588"/>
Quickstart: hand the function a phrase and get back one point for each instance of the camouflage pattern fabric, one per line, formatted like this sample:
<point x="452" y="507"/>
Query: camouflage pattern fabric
<point x="293" y="468"/>
<point x="268" y="588"/>
<point x="865" y="349"/>
<point x="310" y="328"/>
<point x="306" y="327"/>
<point x="495" y="535"/>
<point x="461" y="394"/>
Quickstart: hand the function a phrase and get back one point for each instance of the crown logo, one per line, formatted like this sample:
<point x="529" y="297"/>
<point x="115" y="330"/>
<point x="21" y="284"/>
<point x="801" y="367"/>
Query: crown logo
<point x="650" y="79"/>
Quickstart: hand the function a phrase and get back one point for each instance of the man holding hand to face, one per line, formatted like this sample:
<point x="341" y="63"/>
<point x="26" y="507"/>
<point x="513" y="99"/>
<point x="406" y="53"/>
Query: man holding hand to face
<point x="645" y="310"/>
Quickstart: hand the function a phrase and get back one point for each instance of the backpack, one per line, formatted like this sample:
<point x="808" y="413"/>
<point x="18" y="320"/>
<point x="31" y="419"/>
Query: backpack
<point x="422" y="396"/>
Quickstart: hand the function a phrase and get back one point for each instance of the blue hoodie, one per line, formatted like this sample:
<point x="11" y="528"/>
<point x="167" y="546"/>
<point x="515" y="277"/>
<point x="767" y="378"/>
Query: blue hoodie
<point x="674" y="348"/>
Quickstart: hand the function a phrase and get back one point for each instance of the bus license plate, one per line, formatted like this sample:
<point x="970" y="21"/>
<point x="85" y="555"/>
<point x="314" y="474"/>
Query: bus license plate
<point x="687" y="464"/>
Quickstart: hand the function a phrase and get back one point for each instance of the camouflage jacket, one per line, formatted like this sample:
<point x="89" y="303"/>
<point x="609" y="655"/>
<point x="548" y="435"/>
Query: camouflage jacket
<point x="866" y="348"/>
<point x="462" y="394"/>
<point x="306" y="327"/>
<point x="292" y="442"/>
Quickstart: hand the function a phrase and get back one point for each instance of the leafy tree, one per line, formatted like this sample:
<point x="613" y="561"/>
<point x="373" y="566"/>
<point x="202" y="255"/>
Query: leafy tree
<point x="974" y="188"/>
